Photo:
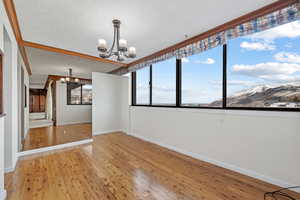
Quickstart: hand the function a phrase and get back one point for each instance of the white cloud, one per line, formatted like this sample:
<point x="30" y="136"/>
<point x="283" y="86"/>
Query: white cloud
<point x="185" y="60"/>
<point x="287" y="57"/>
<point x="272" y="71"/>
<point x="257" y="46"/>
<point x="200" y="95"/>
<point x="235" y="83"/>
<point x="267" y="68"/>
<point x="145" y="88"/>
<point x="290" y="30"/>
<point x="161" y="94"/>
<point x="281" y="78"/>
<point x="208" y="61"/>
<point x="163" y="88"/>
<point x="289" y="45"/>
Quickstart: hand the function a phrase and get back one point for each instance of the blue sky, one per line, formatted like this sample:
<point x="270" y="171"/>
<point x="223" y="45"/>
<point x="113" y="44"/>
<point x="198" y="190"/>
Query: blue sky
<point x="271" y="57"/>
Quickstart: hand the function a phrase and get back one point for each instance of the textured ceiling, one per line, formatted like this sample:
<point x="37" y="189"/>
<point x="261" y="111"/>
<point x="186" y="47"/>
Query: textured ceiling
<point x="148" y="25"/>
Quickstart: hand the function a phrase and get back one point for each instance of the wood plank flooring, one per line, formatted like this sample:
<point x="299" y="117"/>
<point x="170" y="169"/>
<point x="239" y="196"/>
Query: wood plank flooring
<point x="54" y="135"/>
<point x="120" y="167"/>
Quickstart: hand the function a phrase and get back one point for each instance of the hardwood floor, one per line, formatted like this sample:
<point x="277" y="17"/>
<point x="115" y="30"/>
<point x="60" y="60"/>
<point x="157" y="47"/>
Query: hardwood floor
<point x="117" y="166"/>
<point x="54" y="135"/>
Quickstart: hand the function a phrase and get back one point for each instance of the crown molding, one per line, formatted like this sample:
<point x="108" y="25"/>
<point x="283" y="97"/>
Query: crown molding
<point x="71" y="53"/>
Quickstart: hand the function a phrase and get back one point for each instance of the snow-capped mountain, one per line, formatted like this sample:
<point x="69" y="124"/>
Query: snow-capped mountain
<point x="256" y="89"/>
<point x="285" y="95"/>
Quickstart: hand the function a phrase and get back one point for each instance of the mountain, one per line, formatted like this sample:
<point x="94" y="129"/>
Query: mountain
<point x="286" y="95"/>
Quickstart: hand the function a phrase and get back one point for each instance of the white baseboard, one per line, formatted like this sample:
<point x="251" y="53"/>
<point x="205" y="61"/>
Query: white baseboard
<point x="41" y="126"/>
<point x="221" y="164"/>
<point x="70" y="123"/>
<point x="12" y="168"/>
<point x="2" y="194"/>
<point x="8" y="170"/>
<point x="105" y="132"/>
<point x="60" y="146"/>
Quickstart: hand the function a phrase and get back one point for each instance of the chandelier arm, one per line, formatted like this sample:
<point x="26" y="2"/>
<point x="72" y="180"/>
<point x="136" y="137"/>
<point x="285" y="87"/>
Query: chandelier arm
<point x="126" y="55"/>
<point x="118" y="41"/>
<point x="110" y="52"/>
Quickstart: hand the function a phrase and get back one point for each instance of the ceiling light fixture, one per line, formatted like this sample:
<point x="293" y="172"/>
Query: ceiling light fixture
<point x="119" y="48"/>
<point x="69" y="78"/>
<point x="63" y="80"/>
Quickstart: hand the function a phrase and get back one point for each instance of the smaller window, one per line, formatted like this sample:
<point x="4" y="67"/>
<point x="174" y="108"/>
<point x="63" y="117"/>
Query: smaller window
<point x="164" y="83"/>
<point x="202" y="76"/>
<point x="87" y="94"/>
<point x="79" y="94"/>
<point x="143" y="86"/>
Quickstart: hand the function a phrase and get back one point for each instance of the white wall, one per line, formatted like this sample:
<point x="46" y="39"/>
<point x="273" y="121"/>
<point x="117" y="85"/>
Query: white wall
<point x="110" y="103"/>
<point x="264" y="145"/>
<point x="11" y="155"/>
<point x="21" y="65"/>
<point x="7" y="99"/>
<point x="70" y="114"/>
<point x="2" y="191"/>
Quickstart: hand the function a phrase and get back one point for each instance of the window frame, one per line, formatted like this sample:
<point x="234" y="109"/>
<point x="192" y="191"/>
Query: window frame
<point x="133" y="91"/>
<point x="69" y="96"/>
<point x="179" y="91"/>
<point x="175" y="83"/>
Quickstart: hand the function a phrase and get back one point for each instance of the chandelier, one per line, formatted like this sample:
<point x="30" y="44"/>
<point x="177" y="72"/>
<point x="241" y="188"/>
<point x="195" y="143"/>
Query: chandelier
<point x="69" y="78"/>
<point x="119" y="48"/>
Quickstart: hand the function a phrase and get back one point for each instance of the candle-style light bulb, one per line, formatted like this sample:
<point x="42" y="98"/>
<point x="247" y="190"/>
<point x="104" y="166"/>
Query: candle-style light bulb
<point x="102" y="45"/>
<point x="63" y="80"/>
<point x="123" y="44"/>
<point x="131" y="52"/>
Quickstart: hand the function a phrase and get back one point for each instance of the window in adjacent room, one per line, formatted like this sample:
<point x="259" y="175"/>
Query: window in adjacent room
<point x="79" y="94"/>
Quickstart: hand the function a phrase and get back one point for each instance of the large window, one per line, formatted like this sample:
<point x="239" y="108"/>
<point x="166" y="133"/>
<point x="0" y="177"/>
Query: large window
<point x="202" y="79"/>
<point x="264" y="69"/>
<point x="164" y="83"/>
<point x="254" y="72"/>
<point x="79" y="94"/>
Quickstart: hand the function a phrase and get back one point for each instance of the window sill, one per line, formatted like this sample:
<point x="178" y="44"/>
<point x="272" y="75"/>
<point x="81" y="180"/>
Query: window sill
<point x="221" y="111"/>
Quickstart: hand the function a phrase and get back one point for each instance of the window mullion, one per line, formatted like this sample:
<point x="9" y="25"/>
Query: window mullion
<point x="133" y="88"/>
<point x="81" y="94"/>
<point x="150" y="85"/>
<point x="224" y="76"/>
<point x="178" y="82"/>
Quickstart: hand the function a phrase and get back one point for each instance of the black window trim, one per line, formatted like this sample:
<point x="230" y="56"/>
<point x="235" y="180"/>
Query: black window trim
<point x="69" y="97"/>
<point x="179" y="90"/>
